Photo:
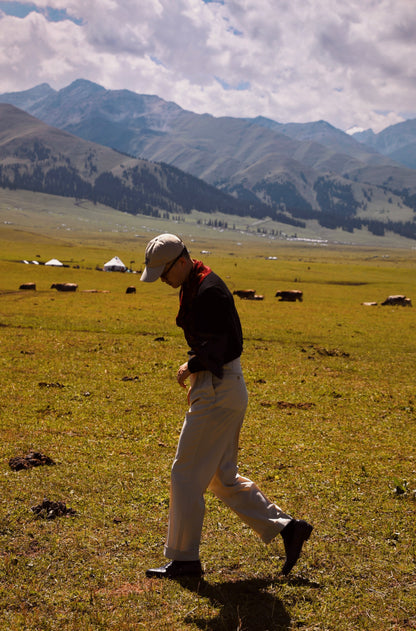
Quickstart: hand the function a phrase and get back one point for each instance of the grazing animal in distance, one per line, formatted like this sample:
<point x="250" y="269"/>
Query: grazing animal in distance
<point x="247" y="294"/>
<point x="399" y="300"/>
<point x="64" y="286"/>
<point x="131" y="290"/>
<point x="290" y="295"/>
<point x="28" y="286"/>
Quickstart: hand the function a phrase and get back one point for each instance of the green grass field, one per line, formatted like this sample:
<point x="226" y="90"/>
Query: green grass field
<point x="89" y="380"/>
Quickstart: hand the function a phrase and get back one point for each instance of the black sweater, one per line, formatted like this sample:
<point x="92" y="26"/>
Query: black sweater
<point x="211" y="324"/>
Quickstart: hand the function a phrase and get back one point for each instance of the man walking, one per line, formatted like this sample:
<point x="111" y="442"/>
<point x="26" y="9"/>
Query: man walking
<point x="206" y="456"/>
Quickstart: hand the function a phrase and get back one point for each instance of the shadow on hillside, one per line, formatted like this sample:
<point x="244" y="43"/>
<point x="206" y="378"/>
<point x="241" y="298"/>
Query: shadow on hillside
<point x="244" y="605"/>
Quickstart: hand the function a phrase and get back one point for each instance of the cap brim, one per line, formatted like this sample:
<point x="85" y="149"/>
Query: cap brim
<point x="151" y="274"/>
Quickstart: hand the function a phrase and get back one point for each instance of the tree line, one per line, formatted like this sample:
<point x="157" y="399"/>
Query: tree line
<point x="166" y="189"/>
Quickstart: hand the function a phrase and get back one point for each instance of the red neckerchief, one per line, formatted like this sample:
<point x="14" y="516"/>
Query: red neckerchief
<point x="189" y="290"/>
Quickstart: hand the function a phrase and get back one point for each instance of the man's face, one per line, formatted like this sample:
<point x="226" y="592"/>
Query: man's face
<point x="173" y="274"/>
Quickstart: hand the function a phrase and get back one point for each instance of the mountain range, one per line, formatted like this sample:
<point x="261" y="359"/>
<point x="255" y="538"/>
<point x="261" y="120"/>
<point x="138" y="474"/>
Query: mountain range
<point x="38" y="157"/>
<point x="397" y="142"/>
<point x="292" y="172"/>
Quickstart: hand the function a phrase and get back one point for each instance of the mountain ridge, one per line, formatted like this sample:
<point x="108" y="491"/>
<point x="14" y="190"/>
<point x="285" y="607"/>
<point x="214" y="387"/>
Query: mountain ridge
<point x="36" y="156"/>
<point x="338" y="178"/>
<point x="397" y="142"/>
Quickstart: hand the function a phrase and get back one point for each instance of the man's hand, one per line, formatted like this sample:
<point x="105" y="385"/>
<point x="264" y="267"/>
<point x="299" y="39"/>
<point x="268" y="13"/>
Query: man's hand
<point x="183" y="374"/>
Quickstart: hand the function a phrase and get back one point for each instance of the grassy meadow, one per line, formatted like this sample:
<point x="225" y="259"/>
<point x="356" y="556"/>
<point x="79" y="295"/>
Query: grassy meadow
<point x="88" y="378"/>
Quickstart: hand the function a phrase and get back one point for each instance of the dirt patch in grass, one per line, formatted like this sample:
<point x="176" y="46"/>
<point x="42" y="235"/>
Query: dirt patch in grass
<point x="50" y="510"/>
<point x="32" y="459"/>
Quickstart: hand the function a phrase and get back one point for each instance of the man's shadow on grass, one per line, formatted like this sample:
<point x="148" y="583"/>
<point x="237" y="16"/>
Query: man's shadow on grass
<point x="245" y="605"/>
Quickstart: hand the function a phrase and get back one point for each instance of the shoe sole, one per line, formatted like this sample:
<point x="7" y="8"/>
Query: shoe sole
<point x="173" y="576"/>
<point x="156" y="573"/>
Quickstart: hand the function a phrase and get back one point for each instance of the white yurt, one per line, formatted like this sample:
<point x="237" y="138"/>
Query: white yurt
<point x="115" y="265"/>
<point x="54" y="262"/>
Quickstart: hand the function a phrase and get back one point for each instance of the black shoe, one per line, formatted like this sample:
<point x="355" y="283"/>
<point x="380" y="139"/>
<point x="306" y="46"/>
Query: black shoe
<point x="176" y="569"/>
<point x="294" y="536"/>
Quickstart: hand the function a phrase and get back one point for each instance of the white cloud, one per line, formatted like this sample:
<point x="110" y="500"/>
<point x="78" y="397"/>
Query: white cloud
<point x="291" y="60"/>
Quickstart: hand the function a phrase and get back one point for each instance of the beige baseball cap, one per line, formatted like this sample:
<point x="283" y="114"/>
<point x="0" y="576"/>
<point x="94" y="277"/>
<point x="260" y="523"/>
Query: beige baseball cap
<point x="160" y="251"/>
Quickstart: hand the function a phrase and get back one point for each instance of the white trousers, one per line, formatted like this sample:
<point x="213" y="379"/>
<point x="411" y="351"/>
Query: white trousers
<point x="206" y="458"/>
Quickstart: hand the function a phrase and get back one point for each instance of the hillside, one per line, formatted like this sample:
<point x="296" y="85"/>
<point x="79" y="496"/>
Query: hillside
<point x="328" y="136"/>
<point x="37" y="157"/>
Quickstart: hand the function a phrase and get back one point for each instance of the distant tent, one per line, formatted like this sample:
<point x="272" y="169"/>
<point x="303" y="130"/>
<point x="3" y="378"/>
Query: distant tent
<point x="54" y="262"/>
<point x="115" y="265"/>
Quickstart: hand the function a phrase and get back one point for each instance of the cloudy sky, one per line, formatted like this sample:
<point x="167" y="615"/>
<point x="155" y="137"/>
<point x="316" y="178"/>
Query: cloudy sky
<point x="349" y="62"/>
